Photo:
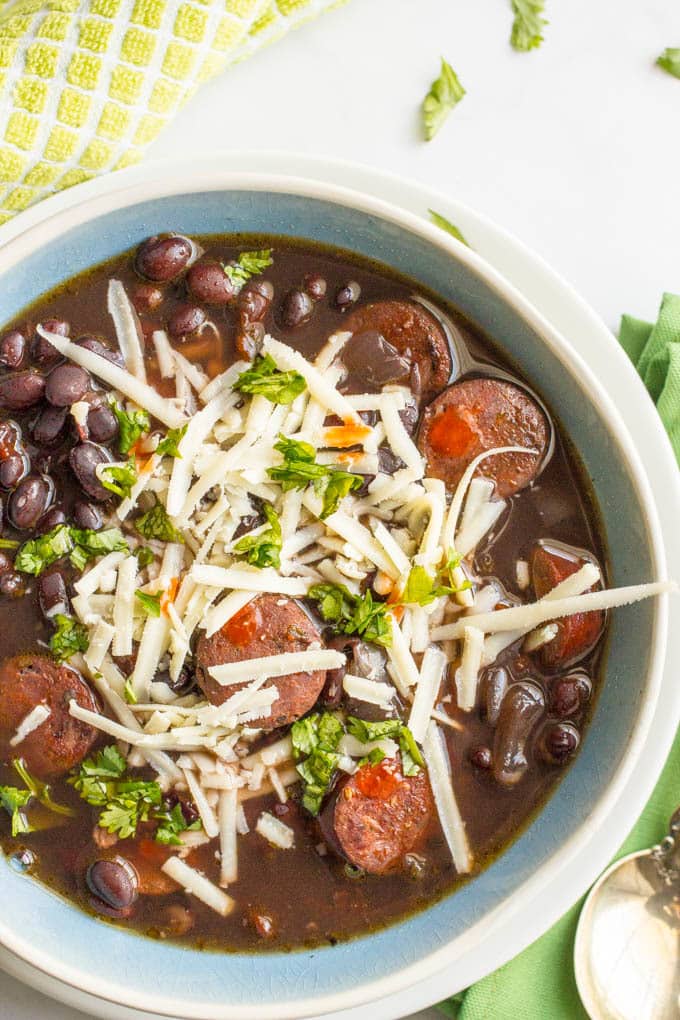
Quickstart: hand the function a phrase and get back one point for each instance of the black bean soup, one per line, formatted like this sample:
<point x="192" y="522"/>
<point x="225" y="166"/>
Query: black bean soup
<point x="531" y="703"/>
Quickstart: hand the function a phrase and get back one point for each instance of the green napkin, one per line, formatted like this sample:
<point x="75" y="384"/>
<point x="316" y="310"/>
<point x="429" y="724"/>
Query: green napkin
<point x="539" y="983"/>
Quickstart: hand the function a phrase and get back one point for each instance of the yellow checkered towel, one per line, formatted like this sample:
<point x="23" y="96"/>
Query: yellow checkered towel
<point x="86" y="85"/>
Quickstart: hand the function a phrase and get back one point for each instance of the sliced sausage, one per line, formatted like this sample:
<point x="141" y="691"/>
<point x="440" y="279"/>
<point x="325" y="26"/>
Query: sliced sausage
<point x="61" y="741"/>
<point x="414" y="335"/>
<point x="379" y="815"/>
<point x="269" y="625"/>
<point x="577" y="634"/>
<point x="482" y="414"/>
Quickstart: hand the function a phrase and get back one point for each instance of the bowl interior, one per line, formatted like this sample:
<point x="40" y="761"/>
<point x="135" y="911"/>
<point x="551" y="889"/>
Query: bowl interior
<point x="271" y="983"/>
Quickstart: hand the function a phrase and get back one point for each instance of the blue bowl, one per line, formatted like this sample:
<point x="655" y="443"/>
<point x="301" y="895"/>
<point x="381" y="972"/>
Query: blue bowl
<point x="175" y="981"/>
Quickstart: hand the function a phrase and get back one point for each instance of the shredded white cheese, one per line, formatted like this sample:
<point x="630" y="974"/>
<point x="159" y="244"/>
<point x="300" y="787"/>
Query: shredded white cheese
<point x="320" y="387"/>
<point x="128" y="330"/>
<point x="439" y="773"/>
<point x="371" y="691"/>
<point x="228" y="815"/>
<point x="35" y="718"/>
<point x="431" y="673"/>
<point x="277" y="665"/>
<point x="467" y="675"/>
<point x="275" y="831"/>
<point x="198" y="885"/>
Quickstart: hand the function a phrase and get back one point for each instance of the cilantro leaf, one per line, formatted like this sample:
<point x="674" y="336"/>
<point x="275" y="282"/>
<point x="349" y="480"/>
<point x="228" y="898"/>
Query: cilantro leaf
<point x="9" y="543"/>
<point x="263" y="550"/>
<point x="316" y="738"/>
<point x="670" y="61"/>
<point x="129" y="692"/>
<point x="300" y="468"/>
<point x="445" y="93"/>
<point x="169" y="447"/>
<point x="145" y="556"/>
<point x="249" y="263"/>
<point x="40" y="553"/>
<point x="119" y="478"/>
<point x="338" y="485"/>
<point x="69" y="637"/>
<point x="528" y="25"/>
<point x="151" y="604"/>
<point x="40" y="790"/>
<point x="367" y="732"/>
<point x="447" y="225"/>
<point x="108" y="763"/>
<point x="13" y="800"/>
<point x="132" y="425"/>
<point x="353" y="614"/>
<point x="155" y="523"/>
<point x="265" y="379"/>
<point x="89" y="544"/>
<point x="171" y="823"/>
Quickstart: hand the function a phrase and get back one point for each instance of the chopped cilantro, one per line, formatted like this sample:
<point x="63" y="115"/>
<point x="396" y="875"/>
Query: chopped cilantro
<point x="447" y="225"/>
<point x="13" y="800"/>
<point x="129" y="692"/>
<point x="445" y="93"/>
<point x="9" y="543"/>
<point x="102" y="782"/>
<point x="527" y="28"/>
<point x="263" y="550"/>
<point x="155" y="523"/>
<point x="299" y="468"/>
<point x="265" y="379"/>
<point x="88" y="544"/>
<point x="170" y="824"/>
<point x="39" y="553"/>
<point x="151" y="604"/>
<point x="367" y="732"/>
<point x="670" y="61"/>
<point x="132" y="425"/>
<point x="169" y="447"/>
<point x="316" y="739"/>
<point x="249" y="263"/>
<point x="353" y="614"/>
<point x="69" y="637"/>
<point x="421" y="588"/>
<point x="40" y="790"/>
<point x="145" y="556"/>
<point x="119" y="478"/>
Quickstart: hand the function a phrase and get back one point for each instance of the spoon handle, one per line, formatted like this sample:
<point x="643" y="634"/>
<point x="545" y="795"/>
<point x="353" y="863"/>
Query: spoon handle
<point x="666" y="855"/>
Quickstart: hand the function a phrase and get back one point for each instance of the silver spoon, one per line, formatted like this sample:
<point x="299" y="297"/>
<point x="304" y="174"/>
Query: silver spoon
<point x="627" y="950"/>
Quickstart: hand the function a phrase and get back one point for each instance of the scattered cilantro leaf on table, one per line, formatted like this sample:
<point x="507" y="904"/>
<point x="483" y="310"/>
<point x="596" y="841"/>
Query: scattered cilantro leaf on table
<point x="445" y="93"/>
<point x="527" y="28"/>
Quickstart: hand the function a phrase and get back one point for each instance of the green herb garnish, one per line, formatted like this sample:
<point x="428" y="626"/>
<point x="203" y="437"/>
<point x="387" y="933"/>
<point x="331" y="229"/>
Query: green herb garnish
<point x="145" y="556"/>
<point x="170" y="824"/>
<point x="447" y="225"/>
<point x="132" y="425"/>
<point x="69" y="637"/>
<point x="119" y="478"/>
<point x="41" y="790"/>
<point x="125" y="802"/>
<point x="38" y="554"/>
<point x="249" y="263"/>
<point x="129" y="691"/>
<point x="367" y="732"/>
<point x="527" y="28"/>
<point x="88" y="544"/>
<point x="421" y="588"/>
<point x="445" y="93"/>
<point x="263" y="550"/>
<point x="169" y="447"/>
<point x="9" y="543"/>
<point x="316" y="739"/>
<point x="265" y="379"/>
<point x="13" y="800"/>
<point x="300" y="468"/>
<point x="353" y="614"/>
<point x="670" y="61"/>
<point x="151" y="604"/>
<point x="155" y="523"/>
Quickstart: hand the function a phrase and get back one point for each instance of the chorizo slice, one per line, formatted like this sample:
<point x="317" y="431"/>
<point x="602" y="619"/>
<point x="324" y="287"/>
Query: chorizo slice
<point x="577" y="634"/>
<point x="269" y="625"/>
<point x="415" y="347"/>
<point x="482" y="414"/>
<point x="61" y="742"/>
<point x="380" y="814"/>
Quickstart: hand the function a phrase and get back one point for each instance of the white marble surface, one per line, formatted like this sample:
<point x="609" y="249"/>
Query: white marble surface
<point x="574" y="148"/>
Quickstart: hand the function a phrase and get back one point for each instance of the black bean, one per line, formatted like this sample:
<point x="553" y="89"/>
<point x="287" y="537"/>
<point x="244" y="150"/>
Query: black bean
<point x="22" y="390"/>
<point x="559" y="743"/>
<point x="42" y="351"/>
<point x="189" y="811"/>
<point x="67" y="384"/>
<point x="315" y="286"/>
<point x="86" y="515"/>
<point x="185" y="682"/>
<point x="296" y="309"/>
<point x="348" y="295"/>
<point x="249" y="339"/>
<point x="162" y="258"/>
<point x="84" y="460"/>
<point x="409" y="418"/>
<point x="49" y="426"/>
<point x="52" y="596"/>
<point x="570" y="695"/>
<point x="5" y="562"/>
<point x="247" y="524"/>
<point x="522" y="707"/>
<point x="185" y="320"/>
<point x="388" y="462"/>
<point x="481" y="757"/>
<point x="29" y="501"/>
<point x="208" y="282"/>
<point x="102" y="423"/>
<point x="50" y="520"/>
<point x="12" y="349"/>
<point x="495" y="686"/>
<point x="114" y="882"/>
<point x="146" y="297"/>
<point x="178" y="920"/>
<point x="255" y="299"/>
<point x="13" y="469"/>
<point x="12" y="584"/>
<point x="91" y="343"/>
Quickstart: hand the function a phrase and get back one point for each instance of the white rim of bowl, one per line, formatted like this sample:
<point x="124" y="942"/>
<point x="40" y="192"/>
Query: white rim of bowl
<point x="116" y="192"/>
